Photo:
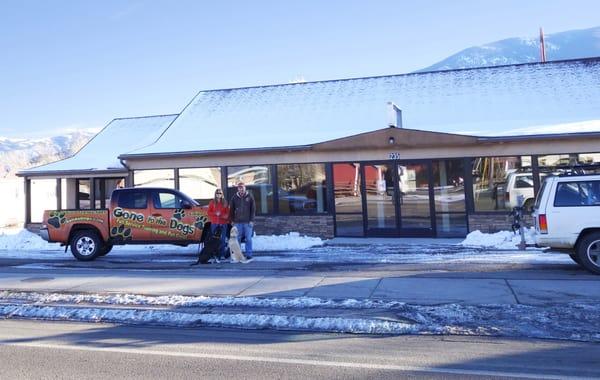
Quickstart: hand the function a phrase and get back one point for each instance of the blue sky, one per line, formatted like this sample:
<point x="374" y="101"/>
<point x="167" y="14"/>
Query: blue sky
<point x="79" y="64"/>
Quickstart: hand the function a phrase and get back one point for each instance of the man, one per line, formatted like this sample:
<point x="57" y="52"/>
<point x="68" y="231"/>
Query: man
<point x="242" y="209"/>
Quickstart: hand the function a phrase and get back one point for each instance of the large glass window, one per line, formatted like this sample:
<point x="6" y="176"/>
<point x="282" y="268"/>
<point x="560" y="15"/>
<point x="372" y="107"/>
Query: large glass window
<point x="495" y="182"/>
<point x="83" y="194"/>
<point x="449" y="193"/>
<point x="104" y="188"/>
<point x="258" y="182"/>
<point x="154" y="178"/>
<point x="200" y="183"/>
<point x="583" y="163"/>
<point x="348" y="199"/>
<point x="301" y="188"/>
<point x="43" y="197"/>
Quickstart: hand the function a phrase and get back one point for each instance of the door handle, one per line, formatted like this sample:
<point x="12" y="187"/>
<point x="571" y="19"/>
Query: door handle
<point x="156" y="215"/>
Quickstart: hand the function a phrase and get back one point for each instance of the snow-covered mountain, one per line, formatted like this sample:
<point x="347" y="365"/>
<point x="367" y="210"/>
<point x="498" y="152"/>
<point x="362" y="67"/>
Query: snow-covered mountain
<point x="17" y="154"/>
<point x="565" y="45"/>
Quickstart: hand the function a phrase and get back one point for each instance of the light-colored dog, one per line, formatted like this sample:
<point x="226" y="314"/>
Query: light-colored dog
<point x="235" y="249"/>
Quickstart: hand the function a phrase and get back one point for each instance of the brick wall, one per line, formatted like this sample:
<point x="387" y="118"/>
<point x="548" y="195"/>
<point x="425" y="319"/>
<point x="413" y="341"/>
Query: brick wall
<point x="489" y="223"/>
<point x="310" y="225"/>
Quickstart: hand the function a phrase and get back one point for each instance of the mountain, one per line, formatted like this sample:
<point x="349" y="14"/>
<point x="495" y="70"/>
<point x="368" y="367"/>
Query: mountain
<point x="565" y="45"/>
<point x="17" y="154"/>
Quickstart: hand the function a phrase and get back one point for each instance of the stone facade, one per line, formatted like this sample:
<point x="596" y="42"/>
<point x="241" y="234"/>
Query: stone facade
<point x="490" y="223"/>
<point x="310" y="225"/>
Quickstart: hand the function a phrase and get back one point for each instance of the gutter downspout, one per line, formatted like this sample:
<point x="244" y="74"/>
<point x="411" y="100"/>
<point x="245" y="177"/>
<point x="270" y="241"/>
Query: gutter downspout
<point x="129" y="179"/>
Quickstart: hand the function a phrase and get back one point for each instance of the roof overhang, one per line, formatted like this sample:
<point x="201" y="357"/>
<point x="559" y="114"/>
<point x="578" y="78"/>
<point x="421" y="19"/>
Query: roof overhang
<point x="73" y="173"/>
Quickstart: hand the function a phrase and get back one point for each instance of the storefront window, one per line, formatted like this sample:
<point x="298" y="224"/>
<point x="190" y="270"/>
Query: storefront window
<point x="449" y="193"/>
<point x="83" y="194"/>
<point x="258" y="182"/>
<point x="499" y="182"/>
<point x="348" y="199"/>
<point x="43" y="197"/>
<point x="301" y="188"/>
<point x="154" y="178"/>
<point x="200" y="183"/>
<point x="104" y="188"/>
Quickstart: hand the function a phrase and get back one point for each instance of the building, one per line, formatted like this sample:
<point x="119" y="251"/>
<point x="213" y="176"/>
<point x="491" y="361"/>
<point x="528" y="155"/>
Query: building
<point x="427" y="154"/>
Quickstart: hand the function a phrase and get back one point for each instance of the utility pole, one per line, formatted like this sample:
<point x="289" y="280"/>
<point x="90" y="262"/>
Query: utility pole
<point x="542" y="46"/>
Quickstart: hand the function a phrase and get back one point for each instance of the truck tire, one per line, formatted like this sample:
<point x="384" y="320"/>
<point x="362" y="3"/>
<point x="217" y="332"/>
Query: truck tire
<point x="86" y="245"/>
<point x="588" y="251"/>
<point x="106" y="249"/>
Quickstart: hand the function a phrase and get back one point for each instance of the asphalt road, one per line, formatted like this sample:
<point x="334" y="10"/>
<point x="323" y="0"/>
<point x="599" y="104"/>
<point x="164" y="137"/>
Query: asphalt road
<point x="37" y="349"/>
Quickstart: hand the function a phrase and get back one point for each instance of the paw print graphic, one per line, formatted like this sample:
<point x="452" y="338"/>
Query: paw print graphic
<point x="200" y="221"/>
<point x="179" y="213"/>
<point x="121" y="233"/>
<point x="56" y="219"/>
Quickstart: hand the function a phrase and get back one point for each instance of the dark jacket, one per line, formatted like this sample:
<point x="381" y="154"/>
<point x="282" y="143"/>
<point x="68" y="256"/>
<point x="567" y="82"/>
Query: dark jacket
<point x="242" y="209"/>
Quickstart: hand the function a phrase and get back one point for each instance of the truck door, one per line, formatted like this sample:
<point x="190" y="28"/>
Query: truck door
<point x="172" y="221"/>
<point x="129" y="215"/>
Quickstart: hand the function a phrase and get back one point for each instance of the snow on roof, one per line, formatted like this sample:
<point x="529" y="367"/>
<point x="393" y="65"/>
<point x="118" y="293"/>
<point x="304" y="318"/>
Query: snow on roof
<point x="102" y="151"/>
<point x="483" y="101"/>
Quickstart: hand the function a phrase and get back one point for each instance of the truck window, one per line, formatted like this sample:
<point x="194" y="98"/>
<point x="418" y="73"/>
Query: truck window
<point x="167" y="200"/>
<point x="577" y="194"/>
<point x="133" y="199"/>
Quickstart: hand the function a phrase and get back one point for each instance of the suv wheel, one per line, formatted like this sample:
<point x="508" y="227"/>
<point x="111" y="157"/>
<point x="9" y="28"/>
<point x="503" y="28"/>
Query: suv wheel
<point x="589" y="252"/>
<point x="86" y="245"/>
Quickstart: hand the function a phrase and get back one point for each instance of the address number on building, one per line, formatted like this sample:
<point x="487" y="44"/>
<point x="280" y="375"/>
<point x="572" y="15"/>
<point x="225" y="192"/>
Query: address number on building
<point x="394" y="156"/>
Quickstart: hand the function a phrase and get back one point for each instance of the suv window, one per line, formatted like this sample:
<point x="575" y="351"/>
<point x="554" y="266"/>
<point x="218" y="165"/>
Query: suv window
<point x="165" y="199"/>
<point x="524" y="182"/>
<point x="133" y="199"/>
<point x="584" y="193"/>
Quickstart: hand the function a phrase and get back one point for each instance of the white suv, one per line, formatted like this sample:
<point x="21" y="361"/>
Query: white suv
<point x="567" y="217"/>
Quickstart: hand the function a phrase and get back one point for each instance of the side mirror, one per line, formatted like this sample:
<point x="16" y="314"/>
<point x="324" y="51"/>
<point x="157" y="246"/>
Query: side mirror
<point x="186" y="205"/>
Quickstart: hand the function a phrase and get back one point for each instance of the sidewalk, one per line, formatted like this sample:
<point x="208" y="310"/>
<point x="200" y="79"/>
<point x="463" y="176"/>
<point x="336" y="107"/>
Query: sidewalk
<point x="417" y="288"/>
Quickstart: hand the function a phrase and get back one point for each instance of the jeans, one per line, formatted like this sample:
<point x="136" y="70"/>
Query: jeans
<point x="245" y="230"/>
<point x="213" y="228"/>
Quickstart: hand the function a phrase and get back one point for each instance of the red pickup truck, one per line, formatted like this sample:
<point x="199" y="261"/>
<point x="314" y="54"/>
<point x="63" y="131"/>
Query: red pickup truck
<point x="136" y="216"/>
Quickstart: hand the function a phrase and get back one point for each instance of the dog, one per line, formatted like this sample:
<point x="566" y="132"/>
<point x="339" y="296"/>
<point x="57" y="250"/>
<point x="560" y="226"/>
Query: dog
<point x="235" y="249"/>
<point x="211" y="247"/>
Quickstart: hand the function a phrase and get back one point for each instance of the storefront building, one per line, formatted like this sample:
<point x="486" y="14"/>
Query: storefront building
<point x="357" y="157"/>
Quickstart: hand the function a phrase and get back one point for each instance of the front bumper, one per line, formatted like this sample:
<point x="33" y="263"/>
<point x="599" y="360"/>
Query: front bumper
<point x="44" y="234"/>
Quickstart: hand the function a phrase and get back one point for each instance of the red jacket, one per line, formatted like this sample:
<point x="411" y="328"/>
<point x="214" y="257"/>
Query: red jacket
<point x="218" y="208"/>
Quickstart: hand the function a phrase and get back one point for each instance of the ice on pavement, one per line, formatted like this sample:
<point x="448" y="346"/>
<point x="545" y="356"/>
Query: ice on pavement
<point x="573" y="321"/>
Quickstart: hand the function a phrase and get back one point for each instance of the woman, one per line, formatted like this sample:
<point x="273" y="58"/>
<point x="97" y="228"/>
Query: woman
<point x="218" y="214"/>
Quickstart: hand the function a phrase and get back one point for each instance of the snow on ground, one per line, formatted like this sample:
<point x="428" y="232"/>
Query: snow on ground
<point x="574" y="321"/>
<point x="477" y="247"/>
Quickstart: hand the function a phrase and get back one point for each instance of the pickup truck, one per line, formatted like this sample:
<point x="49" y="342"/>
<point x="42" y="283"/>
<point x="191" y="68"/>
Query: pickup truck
<point x="135" y="216"/>
<point x="567" y="218"/>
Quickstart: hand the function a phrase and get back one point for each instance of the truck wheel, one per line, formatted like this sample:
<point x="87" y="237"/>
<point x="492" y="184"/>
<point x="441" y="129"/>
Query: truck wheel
<point x="86" y="245"/>
<point x="589" y="252"/>
<point x="106" y="249"/>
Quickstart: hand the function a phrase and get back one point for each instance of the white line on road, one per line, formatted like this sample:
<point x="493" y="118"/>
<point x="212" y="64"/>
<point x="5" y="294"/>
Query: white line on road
<point x="322" y="363"/>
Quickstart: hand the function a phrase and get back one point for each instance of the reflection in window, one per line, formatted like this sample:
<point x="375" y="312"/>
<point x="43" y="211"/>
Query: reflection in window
<point x="448" y="182"/>
<point x="348" y="199"/>
<point x="104" y="188"/>
<point x="577" y="194"/>
<point x="581" y="163"/>
<point x="495" y="179"/>
<point x="200" y="183"/>
<point x="43" y="197"/>
<point x="132" y="199"/>
<point x="301" y="188"/>
<point x="167" y="200"/>
<point x="154" y="178"/>
<point x="258" y="182"/>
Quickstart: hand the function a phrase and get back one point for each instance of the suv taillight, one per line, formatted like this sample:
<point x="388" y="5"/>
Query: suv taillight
<point x="543" y="223"/>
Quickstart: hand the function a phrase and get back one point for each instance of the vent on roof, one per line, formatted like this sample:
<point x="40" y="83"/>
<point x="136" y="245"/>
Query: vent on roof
<point x="394" y="116"/>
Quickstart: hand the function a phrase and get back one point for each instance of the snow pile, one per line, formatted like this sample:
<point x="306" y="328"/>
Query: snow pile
<point x="291" y="241"/>
<point x="499" y="240"/>
<point x="21" y="239"/>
